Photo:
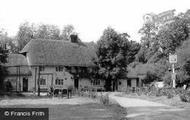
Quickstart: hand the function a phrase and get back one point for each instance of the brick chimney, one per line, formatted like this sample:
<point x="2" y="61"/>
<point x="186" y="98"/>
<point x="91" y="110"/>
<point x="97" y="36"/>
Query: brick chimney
<point x="74" y="38"/>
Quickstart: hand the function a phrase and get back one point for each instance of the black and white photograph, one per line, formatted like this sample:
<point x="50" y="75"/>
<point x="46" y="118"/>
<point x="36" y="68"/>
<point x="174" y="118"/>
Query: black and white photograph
<point x="94" y="60"/>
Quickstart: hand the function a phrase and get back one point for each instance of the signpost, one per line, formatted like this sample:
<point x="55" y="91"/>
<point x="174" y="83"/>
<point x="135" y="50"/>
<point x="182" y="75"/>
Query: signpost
<point x="173" y="60"/>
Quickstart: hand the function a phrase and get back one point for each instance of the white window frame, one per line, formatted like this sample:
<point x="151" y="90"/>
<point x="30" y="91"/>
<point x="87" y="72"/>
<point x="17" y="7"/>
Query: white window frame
<point x="44" y="81"/>
<point x="59" y="68"/>
<point x="59" y="81"/>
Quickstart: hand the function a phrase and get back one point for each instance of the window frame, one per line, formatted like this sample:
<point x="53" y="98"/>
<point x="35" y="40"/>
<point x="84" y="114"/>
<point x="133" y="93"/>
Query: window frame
<point x="97" y="82"/>
<point x="59" y="68"/>
<point x="42" y="68"/>
<point x="42" y="81"/>
<point x="59" y="81"/>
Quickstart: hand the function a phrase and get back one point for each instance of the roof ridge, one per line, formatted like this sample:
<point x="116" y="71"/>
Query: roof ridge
<point x="54" y="40"/>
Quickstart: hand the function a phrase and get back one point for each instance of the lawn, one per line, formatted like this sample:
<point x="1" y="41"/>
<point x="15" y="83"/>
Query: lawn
<point x="76" y="108"/>
<point x="91" y="111"/>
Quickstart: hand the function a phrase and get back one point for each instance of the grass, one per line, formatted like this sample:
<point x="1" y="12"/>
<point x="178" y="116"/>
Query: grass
<point x="87" y="111"/>
<point x="92" y="111"/>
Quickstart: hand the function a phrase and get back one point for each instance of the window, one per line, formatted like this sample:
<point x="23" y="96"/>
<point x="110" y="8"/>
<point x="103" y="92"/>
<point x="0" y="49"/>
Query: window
<point x="42" y="81"/>
<point x="96" y="82"/>
<point x="59" y="81"/>
<point x="42" y="68"/>
<point x="59" y="68"/>
<point x="129" y="83"/>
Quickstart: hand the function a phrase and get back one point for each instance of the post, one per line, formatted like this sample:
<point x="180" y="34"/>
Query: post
<point x="35" y="80"/>
<point x="173" y="60"/>
<point x="173" y="74"/>
<point x="39" y="81"/>
<point x="19" y="79"/>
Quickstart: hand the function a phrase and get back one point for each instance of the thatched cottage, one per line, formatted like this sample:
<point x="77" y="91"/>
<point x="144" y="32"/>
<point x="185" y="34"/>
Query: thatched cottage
<point x="19" y="74"/>
<point x="60" y="64"/>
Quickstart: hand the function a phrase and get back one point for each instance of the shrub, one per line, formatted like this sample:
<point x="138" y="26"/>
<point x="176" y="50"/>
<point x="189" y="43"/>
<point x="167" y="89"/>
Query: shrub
<point x="185" y="97"/>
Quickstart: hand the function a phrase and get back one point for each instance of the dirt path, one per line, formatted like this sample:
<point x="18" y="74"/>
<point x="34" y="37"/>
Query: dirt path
<point x="143" y="109"/>
<point x="133" y="102"/>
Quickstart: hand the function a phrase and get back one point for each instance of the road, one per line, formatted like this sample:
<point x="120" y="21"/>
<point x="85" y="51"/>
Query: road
<point x="146" y="110"/>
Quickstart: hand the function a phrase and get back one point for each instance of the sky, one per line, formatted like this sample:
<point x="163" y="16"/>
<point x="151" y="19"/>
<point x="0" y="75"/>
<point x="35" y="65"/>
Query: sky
<point x="89" y="17"/>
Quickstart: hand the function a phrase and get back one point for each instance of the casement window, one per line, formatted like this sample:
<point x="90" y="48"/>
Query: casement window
<point x="59" y="81"/>
<point x="59" y="68"/>
<point x="96" y="82"/>
<point x="42" y="68"/>
<point x="42" y="81"/>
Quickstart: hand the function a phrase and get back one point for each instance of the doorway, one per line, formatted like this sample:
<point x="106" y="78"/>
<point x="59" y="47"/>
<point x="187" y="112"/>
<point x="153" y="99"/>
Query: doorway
<point x="76" y="82"/>
<point x="25" y="85"/>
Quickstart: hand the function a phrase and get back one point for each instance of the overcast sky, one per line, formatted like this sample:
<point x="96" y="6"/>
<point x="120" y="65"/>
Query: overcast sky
<point x="89" y="17"/>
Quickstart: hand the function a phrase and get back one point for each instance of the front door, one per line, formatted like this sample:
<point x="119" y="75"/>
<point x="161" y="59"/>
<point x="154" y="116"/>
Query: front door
<point x="25" y="84"/>
<point x="76" y="82"/>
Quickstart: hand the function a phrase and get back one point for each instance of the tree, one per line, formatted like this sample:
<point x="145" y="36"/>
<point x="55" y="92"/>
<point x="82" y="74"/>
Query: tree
<point x="46" y="31"/>
<point x="148" y="43"/>
<point x="158" y="41"/>
<point x="9" y="43"/>
<point x="24" y="35"/>
<point x="112" y="56"/>
<point x="173" y="34"/>
<point x="3" y="56"/>
<point x="67" y="31"/>
<point x="31" y="31"/>
<point x="148" y="32"/>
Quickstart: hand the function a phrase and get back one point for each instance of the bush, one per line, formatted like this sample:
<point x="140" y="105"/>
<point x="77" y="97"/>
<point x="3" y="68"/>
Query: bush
<point x="185" y="97"/>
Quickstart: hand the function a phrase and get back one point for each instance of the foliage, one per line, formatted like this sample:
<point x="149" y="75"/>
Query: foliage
<point x="113" y="52"/>
<point x="9" y="43"/>
<point x="158" y="41"/>
<point x="148" y="32"/>
<point x="67" y="31"/>
<point x="173" y="34"/>
<point x="45" y="31"/>
<point x="24" y="35"/>
<point x="29" y="31"/>
<point x="167" y="78"/>
<point x="185" y="96"/>
<point x="183" y="61"/>
<point x="133" y="50"/>
<point x="150" y="77"/>
<point x="3" y="56"/>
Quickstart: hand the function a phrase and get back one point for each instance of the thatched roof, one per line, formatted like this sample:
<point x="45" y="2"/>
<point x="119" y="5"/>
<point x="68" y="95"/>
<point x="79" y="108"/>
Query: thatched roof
<point x="57" y="52"/>
<point x="132" y="73"/>
<point x="17" y="65"/>
<point x="16" y="60"/>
